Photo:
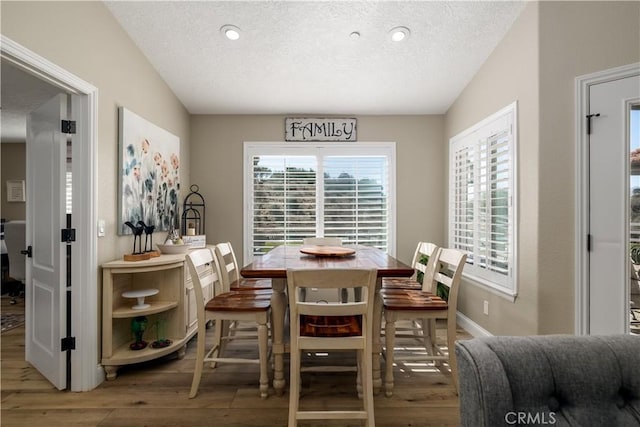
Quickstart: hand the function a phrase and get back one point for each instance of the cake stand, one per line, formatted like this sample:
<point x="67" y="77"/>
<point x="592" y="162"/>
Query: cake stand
<point x="140" y="295"/>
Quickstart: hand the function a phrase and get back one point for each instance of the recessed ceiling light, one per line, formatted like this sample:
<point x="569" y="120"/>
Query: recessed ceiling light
<point x="354" y="35"/>
<point x="231" y="32"/>
<point x="399" y="33"/>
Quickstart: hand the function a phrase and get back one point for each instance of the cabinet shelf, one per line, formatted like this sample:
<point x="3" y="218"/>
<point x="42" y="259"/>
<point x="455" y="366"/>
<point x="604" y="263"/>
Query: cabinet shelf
<point x="123" y="355"/>
<point x="156" y="307"/>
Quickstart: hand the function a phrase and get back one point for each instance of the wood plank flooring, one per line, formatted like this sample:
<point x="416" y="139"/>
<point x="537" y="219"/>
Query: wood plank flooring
<point x="155" y="394"/>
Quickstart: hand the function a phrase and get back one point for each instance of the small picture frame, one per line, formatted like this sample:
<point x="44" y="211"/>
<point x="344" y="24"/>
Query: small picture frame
<point x="195" y="242"/>
<point x="15" y="191"/>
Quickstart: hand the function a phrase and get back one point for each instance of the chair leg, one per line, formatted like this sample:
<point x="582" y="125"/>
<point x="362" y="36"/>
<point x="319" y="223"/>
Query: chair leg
<point x="197" y="373"/>
<point x="390" y="335"/>
<point x="359" y="368"/>
<point x="430" y="341"/>
<point x="451" y="340"/>
<point x="263" y="354"/>
<point x="367" y="386"/>
<point x="217" y="340"/>
<point x="294" y="387"/>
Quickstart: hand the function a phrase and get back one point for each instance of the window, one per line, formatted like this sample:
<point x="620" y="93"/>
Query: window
<point x="293" y="191"/>
<point x="482" y="191"/>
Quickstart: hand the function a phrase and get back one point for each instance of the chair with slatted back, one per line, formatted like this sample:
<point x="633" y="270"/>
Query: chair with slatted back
<point x="325" y="241"/>
<point x="337" y="326"/>
<point x="226" y="306"/>
<point x="231" y="271"/>
<point x="426" y="307"/>
<point x="231" y="280"/>
<point x="424" y="250"/>
<point x="322" y="241"/>
<point x="420" y="280"/>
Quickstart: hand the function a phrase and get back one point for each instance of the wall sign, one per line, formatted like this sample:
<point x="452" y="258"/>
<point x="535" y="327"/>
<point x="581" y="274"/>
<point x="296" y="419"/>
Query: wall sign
<point x="320" y="129"/>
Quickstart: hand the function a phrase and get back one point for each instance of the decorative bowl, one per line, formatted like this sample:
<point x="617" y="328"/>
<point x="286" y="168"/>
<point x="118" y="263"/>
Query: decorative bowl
<point x="173" y="249"/>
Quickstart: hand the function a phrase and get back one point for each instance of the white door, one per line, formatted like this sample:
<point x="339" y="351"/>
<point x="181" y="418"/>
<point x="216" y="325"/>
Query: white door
<point x="609" y="192"/>
<point x="46" y="268"/>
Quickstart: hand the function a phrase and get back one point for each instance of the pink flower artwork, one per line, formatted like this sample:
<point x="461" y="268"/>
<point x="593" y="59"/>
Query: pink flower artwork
<point x="149" y="174"/>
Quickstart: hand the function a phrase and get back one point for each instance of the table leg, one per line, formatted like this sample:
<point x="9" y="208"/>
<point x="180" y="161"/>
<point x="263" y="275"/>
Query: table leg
<point x="377" y="332"/>
<point x="278" y="310"/>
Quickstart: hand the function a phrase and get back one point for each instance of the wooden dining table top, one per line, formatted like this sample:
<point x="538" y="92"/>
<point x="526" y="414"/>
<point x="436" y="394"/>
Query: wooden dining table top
<point x="274" y="264"/>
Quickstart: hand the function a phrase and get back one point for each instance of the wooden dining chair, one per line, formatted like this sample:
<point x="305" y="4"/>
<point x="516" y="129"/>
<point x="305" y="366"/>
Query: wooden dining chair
<point x="226" y="306"/>
<point x="426" y="307"/>
<point x="231" y="271"/>
<point x="232" y="281"/>
<point x="331" y="327"/>
<point x="423" y="251"/>
<point x="322" y="241"/>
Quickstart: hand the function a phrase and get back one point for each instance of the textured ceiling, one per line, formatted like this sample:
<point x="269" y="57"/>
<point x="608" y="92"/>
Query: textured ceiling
<point x="297" y="56"/>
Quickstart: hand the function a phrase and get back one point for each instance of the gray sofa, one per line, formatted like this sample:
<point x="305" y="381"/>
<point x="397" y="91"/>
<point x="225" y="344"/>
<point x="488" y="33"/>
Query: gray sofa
<point x="557" y="380"/>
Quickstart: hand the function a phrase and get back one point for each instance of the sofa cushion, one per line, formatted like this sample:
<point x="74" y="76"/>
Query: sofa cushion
<point x="550" y="380"/>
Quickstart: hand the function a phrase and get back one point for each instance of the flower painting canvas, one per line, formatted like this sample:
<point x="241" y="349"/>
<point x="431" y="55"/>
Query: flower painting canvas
<point x="149" y="173"/>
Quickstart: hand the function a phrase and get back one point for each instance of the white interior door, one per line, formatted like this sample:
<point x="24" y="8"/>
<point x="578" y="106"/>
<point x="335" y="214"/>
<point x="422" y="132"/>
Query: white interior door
<point x="609" y="192"/>
<point x="46" y="269"/>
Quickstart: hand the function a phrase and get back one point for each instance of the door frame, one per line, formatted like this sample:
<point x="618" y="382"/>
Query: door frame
<point x="86" y="371"/>
<point x="581" y="179"/>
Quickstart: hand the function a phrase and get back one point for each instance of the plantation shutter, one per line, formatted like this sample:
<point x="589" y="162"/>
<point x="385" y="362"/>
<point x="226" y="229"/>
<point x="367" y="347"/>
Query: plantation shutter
<point x="356" y="199"/>
<point x="284" y="200"/>
<point x="482" y="219"/>
<point x="294" y="191"/>
<point x="464" y="194"/>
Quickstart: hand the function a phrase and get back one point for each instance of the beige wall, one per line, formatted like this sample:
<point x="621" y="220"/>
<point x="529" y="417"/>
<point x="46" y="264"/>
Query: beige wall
<point x="509" y="74"/>
<point x="85" y="39"/>
<point x="14" y="165"/>
<point x="217" y="169"/>
<point x="576" y="38"/>
<point x="536" y="64"/>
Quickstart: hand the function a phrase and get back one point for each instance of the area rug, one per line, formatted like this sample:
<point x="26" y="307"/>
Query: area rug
<point x="11" y="321"/>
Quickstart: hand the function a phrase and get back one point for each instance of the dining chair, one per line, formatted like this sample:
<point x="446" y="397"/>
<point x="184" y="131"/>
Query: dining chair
<point x="334" y="326"/>
<point x="423" y="251"/>
<point x="226" y="306"/>
<point x="231" y="271"/>
<point x="322" y="241"/>
<point x="426" y="307"/>
<point x="231" y="280"/>
<point x="328" y="241"/>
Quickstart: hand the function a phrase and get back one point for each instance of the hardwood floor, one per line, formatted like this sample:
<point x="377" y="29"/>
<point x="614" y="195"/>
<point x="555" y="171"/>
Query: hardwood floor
<point x="156" y="394"/>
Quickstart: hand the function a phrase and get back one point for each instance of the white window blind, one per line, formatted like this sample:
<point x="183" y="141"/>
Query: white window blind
<point x="318" y="190"/>
<point x="284" y="200"/>
<point x="482" y="189"/>
<point x="356" y="199"/>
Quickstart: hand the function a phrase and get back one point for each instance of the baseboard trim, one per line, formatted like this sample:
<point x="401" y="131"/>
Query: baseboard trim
<point x="472" y="327"/>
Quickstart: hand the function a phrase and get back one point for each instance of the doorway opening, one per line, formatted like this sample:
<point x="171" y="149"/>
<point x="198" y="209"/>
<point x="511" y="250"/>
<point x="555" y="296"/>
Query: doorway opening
<point x="86" y="371"/>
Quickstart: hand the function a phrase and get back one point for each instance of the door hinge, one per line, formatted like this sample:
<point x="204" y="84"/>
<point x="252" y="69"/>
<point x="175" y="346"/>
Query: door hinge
<point x="588" y="242"/>
<point x="68" y="235"/>
<point x="69" y="126"/>
<point x="589" y="117"/>
<point x="68" y="343"/>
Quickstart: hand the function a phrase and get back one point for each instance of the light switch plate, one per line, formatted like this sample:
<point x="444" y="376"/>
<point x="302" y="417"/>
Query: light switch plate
<point x="101" y="227"/>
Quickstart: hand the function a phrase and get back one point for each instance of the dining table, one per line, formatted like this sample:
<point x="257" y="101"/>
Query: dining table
<point x="274" y="265"/>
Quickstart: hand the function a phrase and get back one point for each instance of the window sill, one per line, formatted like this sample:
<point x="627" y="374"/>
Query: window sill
<point x="509" y="295"/>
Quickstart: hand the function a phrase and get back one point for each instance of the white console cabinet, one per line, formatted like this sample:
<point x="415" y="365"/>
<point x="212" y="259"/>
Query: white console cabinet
<point x="172" y="309"/>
